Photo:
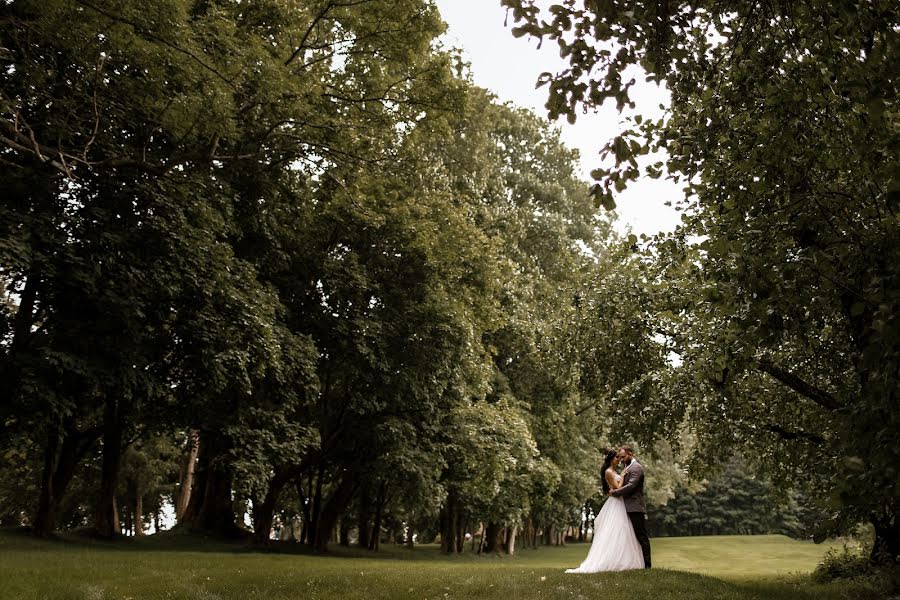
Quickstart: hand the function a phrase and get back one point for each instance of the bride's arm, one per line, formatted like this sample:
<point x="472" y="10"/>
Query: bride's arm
<point x="611" y="479"/>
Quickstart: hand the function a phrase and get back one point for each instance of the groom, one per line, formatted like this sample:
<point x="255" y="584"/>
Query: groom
<point x="632" y="491"/>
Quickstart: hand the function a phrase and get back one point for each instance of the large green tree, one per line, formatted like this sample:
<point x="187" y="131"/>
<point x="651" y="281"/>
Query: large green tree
<point x="125" y="129"/>
<point x="783" y="127"/>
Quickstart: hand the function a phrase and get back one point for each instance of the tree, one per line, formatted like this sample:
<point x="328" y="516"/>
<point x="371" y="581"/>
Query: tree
<point x="783" y="127"/>
<point x="732" y="502"/>
<point x="121" y="130"/>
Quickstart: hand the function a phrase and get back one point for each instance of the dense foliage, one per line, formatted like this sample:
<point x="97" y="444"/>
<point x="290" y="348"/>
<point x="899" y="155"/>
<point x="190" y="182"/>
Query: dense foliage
<point x="286" y="261"/>
<point x="733" y="502"/>
<point x="783" y="281"/>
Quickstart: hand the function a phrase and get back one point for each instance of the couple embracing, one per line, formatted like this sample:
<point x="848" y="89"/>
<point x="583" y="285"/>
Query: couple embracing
<point x="620" y="529"/>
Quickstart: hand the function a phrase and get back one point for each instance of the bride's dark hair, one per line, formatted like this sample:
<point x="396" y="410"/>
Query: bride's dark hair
<point x="610" y="455"/>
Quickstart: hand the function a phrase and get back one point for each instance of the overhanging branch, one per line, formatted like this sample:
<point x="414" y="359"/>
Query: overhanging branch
<point x="791" y="436"/>
<point x="802" y="387"/>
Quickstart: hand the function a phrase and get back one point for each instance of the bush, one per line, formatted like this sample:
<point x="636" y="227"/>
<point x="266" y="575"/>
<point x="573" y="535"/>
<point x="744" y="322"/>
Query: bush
<point x="852" y="565"/>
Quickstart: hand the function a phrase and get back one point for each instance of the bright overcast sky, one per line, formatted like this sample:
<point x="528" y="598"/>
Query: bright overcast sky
<point x="509" y="67"/>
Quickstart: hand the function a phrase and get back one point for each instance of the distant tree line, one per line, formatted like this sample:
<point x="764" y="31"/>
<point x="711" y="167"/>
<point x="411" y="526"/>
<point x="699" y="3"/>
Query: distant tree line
<point x="735" y="502"/>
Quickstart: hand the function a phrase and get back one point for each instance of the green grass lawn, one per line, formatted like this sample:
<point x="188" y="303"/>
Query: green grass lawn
<point x="733" y="567"/>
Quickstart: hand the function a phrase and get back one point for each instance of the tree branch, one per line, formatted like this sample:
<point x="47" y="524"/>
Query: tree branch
<point x="142" y="31"/>
<point x="302" y="45"/>
<point x="791" y="436"/>
<point x="819" y="396"/>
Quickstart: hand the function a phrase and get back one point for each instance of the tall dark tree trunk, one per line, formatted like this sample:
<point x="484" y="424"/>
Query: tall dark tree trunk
<point x="210" y="508"/>
<point x="65" y="447"/>
<point x="264" y="511"/>
<point x="333" y="509"/>
<point x="345" y="532"/>
<point x="886" y="549"/>
<point x="454" y="527"/>
<point x="364" y="516"/>
<point x="316" y="509"/>
<point x="444" y="528"/>
<point x="51" y="492"/>
<point x="106" y="521"/>
<point x="492" y="537"/>
<point x="449" y="524"/>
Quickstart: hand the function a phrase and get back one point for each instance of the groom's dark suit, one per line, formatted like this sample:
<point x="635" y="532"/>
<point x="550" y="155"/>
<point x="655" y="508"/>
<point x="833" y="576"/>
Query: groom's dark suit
<point x="632" y="492"/>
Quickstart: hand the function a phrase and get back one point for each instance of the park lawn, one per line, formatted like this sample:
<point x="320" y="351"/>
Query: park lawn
<point x="733" y="567"/>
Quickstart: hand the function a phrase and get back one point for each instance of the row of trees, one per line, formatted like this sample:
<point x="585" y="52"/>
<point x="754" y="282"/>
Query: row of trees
<point x="287" y="256"/>
<point x="734" y="502"/>
<point x="298" y="235"/>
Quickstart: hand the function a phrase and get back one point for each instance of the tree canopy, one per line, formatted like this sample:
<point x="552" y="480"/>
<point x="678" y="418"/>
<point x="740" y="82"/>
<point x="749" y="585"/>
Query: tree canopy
<point x="285" y="260"/>
<point x="784" y="299"/>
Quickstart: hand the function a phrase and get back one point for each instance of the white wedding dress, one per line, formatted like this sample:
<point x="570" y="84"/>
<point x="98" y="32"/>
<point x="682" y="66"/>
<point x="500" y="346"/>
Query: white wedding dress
<point x="615" y="547"/>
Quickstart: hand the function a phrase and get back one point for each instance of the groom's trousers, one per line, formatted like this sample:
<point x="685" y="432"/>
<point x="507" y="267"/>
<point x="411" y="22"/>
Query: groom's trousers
<point x="639" y="523"/>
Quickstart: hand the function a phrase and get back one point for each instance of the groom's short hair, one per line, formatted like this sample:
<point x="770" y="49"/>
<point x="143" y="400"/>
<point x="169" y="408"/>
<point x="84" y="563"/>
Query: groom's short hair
<point x="628" y="448"/>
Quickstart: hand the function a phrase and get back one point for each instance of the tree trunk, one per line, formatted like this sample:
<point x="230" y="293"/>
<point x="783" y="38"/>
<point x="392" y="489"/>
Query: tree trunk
<point x="345" y="532"/>
<point x="186" y="474"/>
<point x="511" y="539"/>
<point x="210" y="508"/>
<point x="444" y="526"/>
<point x="451" y="525"/>
<point x="66" y="447"/>
<point x="333" y="509"/>
<point x="886" y="548"/>
<point x="305" y="528"/>
<point x="316" y="508"/>
<point x="453" y="529"/>
<point x="364" y="517"/>
<point x="51" y="493"/>
<point x="139" y="515"/>
<point x="492" y="537"/>
<point x="106" y="521"/>
<point x="264" y="511"/>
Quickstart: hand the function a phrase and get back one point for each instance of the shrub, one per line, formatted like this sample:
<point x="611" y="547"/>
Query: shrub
<point x="852" y="565"/>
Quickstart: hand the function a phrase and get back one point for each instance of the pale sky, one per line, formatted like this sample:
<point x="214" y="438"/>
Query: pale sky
<point x="509" y="67"/>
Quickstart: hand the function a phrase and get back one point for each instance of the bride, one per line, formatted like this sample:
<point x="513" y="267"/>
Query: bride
<point x="615" y="547"/>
